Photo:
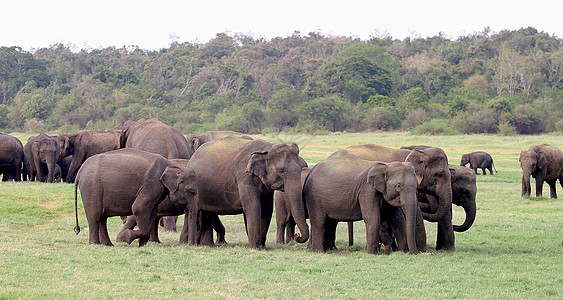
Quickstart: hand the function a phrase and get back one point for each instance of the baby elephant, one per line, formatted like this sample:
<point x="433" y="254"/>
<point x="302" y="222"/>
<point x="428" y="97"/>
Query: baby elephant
<point x="129" y="182"/>
<point x="479" y="160"/>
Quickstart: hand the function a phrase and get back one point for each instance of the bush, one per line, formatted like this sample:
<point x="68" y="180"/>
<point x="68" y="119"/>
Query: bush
<point x="528" y="120"/>
<point x="330" y="113"/>
<point x="434" y="127"/>
<point x="414" y="118"/>
<point x="382" y="118"/>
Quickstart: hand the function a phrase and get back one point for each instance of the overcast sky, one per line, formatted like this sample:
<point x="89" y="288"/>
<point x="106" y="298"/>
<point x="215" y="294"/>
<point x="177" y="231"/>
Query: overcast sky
<point x="151" y="24"/>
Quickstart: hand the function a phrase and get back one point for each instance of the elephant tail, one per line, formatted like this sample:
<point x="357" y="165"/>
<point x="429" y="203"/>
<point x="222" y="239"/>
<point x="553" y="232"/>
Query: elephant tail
<point x="77" y="227"/>
<point x="494" y="167"/>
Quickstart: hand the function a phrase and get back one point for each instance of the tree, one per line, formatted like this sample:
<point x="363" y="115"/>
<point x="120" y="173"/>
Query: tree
<point x="282" y="107"/>
<point x="328" y="112"/>
<point x="528" y="120"/>
<point x="413" y="99"/>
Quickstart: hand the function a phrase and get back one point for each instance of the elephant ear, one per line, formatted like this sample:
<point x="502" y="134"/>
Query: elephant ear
<point x="302" y="162"/>
<point x="521" y="154"/>
<point x="542" y="160"/>
<point x="452" y="171"/>
<point x="376" y="177"/>
<point x="257" y="165"/>
<point x="195" y="142"/>
<point x="169" y="178"/>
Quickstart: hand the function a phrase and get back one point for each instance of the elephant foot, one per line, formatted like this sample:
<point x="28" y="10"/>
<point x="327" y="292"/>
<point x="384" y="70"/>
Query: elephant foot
<point x="121" y="237"/>
<point x="221" y="241"/>
<point x="128" y="236"/>
<point x="445" y="248"/>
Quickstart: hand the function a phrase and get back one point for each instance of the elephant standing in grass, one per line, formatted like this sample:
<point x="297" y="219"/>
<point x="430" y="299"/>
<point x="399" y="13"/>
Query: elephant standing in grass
<point x="544" y="163"/>
<point x="11" y="158"/>
<point x="348" y="188"/>
<point x="170" y="209"/>
<point x="237" y="176"/>
<point x="83" y="145"/>
<point x="284" y="220"/>
<point x="154" y="136"/>
<point x="41" y="154"/>
<point x="130" y="182"/>
<point x="478" y="160"/>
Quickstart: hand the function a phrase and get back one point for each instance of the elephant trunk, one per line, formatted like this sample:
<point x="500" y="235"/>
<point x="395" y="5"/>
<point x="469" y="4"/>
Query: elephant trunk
<point x="443" y="194"/>
<point x="51" y="162"/>
<point x="294" y="192"/>
<point x="470" y="208"/>
<point x="410" y="206"/>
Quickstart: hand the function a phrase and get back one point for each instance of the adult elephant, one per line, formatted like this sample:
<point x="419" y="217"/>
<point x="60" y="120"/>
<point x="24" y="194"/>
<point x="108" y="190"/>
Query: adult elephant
<point x="85" y="144"/>
<point x="129" y="182"/>
<point x="11" y="157"/>
<point x="349" y="188"/>
<point x="544" y="163"/>
<point x="41" y="154"/>
<point x="478" y="160"/>
<point x="236" y="176"/>
<point x="167" y="208"/>
<point x="154" y="136"/>
<point x="196" y="140"/>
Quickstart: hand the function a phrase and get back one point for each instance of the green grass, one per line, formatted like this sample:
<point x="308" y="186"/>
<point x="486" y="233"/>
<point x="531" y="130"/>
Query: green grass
<point x="513" y="251"/>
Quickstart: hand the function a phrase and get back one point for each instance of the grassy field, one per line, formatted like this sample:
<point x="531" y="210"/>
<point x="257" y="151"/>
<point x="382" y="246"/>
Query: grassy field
<point x="513" y="251"/>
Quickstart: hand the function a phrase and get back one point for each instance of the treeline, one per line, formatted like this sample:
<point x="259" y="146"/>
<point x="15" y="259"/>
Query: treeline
<point x="507" y="82"/>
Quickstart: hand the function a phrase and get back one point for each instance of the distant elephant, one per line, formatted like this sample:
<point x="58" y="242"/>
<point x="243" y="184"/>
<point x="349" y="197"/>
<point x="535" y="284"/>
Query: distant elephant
<point x="64" y="163"/>
<point x="478" y="160"/>
<point x="284" y="220"/>
<point x="237" y="175"/>
<point x="41" y="154"/>
<point x="196" y="140"/>
<point x="83" y="145"/>
<point x="544" y="163"/>
<point x="154" y="136"/>
<point x="58" y="174"/>
<point x="11" y="157"/>
<point x="348" y="188"/>
<point x="167" y="208"/>
<point x="130" y="182"/>
<point x="419" y="147"/>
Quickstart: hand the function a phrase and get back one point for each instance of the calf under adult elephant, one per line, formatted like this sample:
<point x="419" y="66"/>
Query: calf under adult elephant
<point x="41" y="154"/>
<point x="83" y="145"/>
<point x="544" y="163"/>
<point x="478" y="160"/>
<point x="129" y="182"/>
<point x="11" y="158"/>
<point x="240" y="176"/>
<point x="348" y="188"/>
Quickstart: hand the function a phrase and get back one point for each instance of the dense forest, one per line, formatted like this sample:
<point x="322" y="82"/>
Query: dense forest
<point x="505" y="82"/>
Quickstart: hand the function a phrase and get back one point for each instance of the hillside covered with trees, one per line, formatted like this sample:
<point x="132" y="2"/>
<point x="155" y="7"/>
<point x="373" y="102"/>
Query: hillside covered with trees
<point x="488" y="82"/>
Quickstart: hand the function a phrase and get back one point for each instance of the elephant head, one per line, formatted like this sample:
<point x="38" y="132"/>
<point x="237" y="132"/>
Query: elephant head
<point x="46" y="152"/>
<point x="195" y="141"/>
<point x="180" y="183"/>
<point x="66" y="143"/>
<point x="431" y="167"/>
<point x="464" y="191"/>
<point x="398" y="184"/>
<point x="464" y="159"/>
<point x="279" y="168"/>
<point x="125" y="130"/>
<point x="529" y="163"/>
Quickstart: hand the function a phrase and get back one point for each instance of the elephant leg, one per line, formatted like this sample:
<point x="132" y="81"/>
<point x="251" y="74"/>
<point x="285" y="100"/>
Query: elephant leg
<point x="281" y="223"/>
<point x="146" y="216"/>
<point x="103" y="232"/>
<point x="373" y="226"/>
<point x="539" y="187"/>
<point x="169" y="223"/>
<point x="130" y="223"/>
<point x="445" y="236"/>
<point x="220" y="229"/>
<point x="206" y="235"/>
<point x="316" y="238"/>
<point x="484" y="170"/>
<point x="330" y="235"/>
<point x="94" y="228"/>
<point x="153" y="237"/>
<point x="552" y="188"/>
<point x="267" y="210"/>
<point x="398" y="226"/>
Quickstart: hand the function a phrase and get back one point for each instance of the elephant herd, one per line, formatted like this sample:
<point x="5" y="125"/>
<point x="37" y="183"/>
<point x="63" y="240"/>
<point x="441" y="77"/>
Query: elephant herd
<point x="149" y="171"/>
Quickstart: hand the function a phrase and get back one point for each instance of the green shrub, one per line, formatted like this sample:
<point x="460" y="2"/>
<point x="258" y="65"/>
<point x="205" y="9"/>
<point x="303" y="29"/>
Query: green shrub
<point x="434" y="127"/>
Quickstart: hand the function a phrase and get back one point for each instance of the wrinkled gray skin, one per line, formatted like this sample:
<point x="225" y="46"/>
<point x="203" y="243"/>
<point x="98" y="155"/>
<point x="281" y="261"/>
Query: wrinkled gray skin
<point x="196" y="140"/>
<point x="240" y="176"/>
<point x="478" y="160"/>
<point x="41" y="154"/>
<point x="64" y="163"/>
<point x="11" y="157"/>
<point x="154" y="136"/>
<point x="544" y="163"/>
<point x="167" y="208"/>
<point x="348" y="188"/>
<point x="58" y="174"/>
<point x="83" y="145"/>
<point x="129" y="182"/>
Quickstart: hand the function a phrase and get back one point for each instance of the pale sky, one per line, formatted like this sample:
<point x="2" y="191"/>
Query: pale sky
<point x="33" y="24"/>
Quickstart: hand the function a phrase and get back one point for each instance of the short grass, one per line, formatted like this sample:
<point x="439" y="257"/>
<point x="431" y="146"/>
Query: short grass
<point x="513" y="251"/>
